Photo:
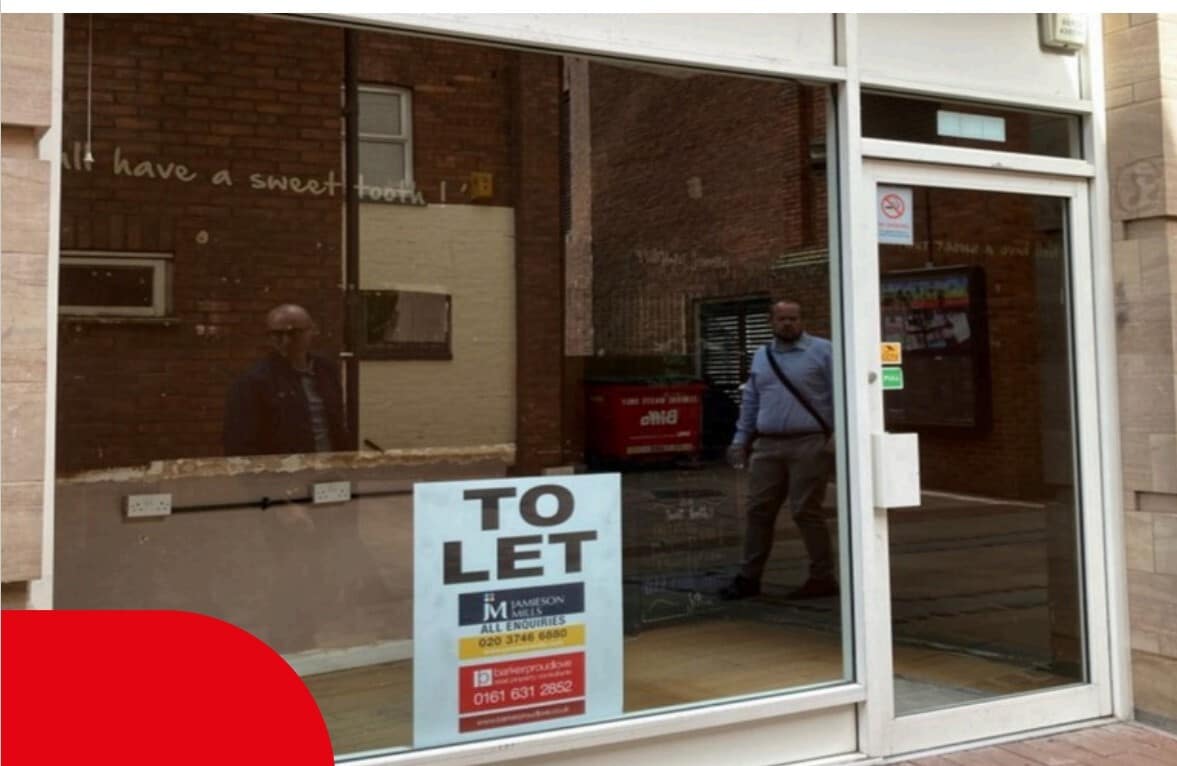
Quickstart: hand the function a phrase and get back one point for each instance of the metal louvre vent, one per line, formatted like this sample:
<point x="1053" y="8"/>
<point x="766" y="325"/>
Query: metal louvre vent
<point x="730" y="332"/>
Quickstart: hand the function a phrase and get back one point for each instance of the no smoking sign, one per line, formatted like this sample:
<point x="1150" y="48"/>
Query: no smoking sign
<point x="894" y="215"/>
<point x="892" y="206"/>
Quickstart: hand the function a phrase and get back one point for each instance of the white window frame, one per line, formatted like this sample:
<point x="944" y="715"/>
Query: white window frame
<point x="404" y="137"/>
<point x="1091" y="698"/>
<point x="755" y="729"/>
<point x="161" y="282"/>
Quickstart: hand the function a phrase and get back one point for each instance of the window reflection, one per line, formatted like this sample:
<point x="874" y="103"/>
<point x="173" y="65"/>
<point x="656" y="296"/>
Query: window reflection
<point x="291" y="399"/>
<point x="985" y="574"/>
<point x="564" y="266"/>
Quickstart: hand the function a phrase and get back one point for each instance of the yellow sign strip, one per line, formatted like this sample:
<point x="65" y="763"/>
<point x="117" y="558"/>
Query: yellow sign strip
<point x="518" y="641"/>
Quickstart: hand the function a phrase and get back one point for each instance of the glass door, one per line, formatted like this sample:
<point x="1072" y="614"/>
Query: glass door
<point x="980" y="337"/>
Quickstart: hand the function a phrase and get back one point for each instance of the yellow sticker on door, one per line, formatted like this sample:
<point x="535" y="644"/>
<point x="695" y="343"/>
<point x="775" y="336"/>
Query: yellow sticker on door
<point x="891" y="353"/>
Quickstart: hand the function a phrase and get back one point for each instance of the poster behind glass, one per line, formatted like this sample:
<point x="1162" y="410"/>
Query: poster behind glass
<point x="939" y="316"/>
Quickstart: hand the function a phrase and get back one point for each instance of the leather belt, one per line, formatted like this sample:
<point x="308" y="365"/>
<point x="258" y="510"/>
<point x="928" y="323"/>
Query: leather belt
<point x="797" y="435"/>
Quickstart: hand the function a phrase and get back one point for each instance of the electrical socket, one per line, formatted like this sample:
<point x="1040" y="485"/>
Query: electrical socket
<point x="148" y="506"/>
<point x="331" y="492"/>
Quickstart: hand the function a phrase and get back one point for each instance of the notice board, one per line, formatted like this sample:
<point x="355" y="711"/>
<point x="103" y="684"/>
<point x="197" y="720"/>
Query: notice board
<point x="940" y="318"/>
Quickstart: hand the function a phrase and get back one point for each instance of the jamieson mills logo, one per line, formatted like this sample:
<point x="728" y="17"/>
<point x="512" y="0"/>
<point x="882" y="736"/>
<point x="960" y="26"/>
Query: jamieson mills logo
<point x="491" y="610"/>
<point x="520" y="603"/>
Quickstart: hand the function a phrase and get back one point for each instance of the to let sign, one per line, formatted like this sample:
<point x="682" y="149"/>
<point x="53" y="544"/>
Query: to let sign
<point x="517" y="611"/>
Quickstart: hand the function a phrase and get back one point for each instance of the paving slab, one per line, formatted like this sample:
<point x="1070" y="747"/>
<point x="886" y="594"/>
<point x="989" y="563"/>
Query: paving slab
<point x="1114" y="744"/>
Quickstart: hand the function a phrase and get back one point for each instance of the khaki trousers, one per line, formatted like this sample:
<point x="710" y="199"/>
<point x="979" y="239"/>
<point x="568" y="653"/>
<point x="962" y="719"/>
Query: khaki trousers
<point x="792" y="470"/>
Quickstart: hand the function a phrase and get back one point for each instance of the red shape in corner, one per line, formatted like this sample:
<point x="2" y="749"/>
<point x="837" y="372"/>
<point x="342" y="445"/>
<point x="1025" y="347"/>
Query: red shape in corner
<point x="149" y="687"/>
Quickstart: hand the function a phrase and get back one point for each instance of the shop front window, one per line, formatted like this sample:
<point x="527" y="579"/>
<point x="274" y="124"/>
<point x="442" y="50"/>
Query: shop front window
<point x="557" y="337"/>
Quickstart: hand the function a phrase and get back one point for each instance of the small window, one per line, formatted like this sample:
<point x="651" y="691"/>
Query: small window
<point x="974" y="125"/>
<point x="115" y="284"/>
<point x="404" y="324"/>
<point x="386" y="140"/>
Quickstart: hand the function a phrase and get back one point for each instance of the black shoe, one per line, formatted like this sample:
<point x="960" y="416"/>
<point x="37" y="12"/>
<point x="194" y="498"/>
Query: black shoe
<point x="740" y="587"/>
<point x="815" y="588"/>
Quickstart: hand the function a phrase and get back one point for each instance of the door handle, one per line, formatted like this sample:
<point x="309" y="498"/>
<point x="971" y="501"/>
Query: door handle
<point x="895" y="459"/>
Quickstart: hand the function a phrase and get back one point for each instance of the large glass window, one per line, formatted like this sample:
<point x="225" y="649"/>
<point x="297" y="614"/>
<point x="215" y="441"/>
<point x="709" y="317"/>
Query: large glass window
<point x="593" y="273"/>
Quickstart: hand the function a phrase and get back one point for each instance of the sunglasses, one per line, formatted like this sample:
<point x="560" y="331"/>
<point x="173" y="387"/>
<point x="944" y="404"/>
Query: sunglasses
<point x="288" y="332"/>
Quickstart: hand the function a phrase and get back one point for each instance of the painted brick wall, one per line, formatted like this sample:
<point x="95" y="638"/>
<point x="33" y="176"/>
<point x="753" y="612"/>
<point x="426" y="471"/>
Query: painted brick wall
<point x="488" y="110"/>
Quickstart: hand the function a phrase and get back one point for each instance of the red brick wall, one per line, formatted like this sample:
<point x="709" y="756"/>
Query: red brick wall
<point x="539" y="261"/>
<point x="259" y="95"/>
<point x="462" y="113"/>
<point x="247" y="94"/>
<point x="700" y="183"/>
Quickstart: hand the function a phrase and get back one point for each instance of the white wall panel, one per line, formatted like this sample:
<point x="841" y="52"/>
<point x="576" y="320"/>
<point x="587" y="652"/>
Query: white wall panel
<point x="801" y="43"/>
<point x="976" y="53"/>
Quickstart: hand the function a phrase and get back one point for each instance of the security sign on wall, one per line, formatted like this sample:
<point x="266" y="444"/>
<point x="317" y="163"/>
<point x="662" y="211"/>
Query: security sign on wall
<point x="517" y="606"/>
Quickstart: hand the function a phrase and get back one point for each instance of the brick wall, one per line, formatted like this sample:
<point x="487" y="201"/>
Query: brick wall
<point x="262" y="96"/>
<point x="539" y="260"/>
<point x="462" y="109"/>
<point x="243" y="94"/>
<point x="700" y="184"/>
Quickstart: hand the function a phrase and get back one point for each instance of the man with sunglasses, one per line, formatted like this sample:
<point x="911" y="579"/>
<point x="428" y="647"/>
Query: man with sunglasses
<point x="290" y="401"/>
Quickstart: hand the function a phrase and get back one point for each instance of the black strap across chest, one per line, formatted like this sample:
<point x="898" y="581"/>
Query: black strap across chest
<point x="825" y="427"/>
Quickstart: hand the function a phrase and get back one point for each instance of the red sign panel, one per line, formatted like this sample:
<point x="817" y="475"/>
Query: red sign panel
<point x="519" y="683"/>
<point x="634" y="421"/>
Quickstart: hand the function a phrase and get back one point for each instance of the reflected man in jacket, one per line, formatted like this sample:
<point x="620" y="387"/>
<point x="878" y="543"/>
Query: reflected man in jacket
<point x="290" y="401"/>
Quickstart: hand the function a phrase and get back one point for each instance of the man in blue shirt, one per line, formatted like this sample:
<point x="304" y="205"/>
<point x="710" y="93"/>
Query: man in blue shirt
<point x="783" y="437"/>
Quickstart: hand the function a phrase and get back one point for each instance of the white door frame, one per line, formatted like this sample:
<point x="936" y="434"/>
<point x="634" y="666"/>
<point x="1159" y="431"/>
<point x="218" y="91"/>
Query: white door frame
<point x="997" y="717"/>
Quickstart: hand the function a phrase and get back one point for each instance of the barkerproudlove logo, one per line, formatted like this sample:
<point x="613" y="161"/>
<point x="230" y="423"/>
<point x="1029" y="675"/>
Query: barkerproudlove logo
<point x="520" y="603"/>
